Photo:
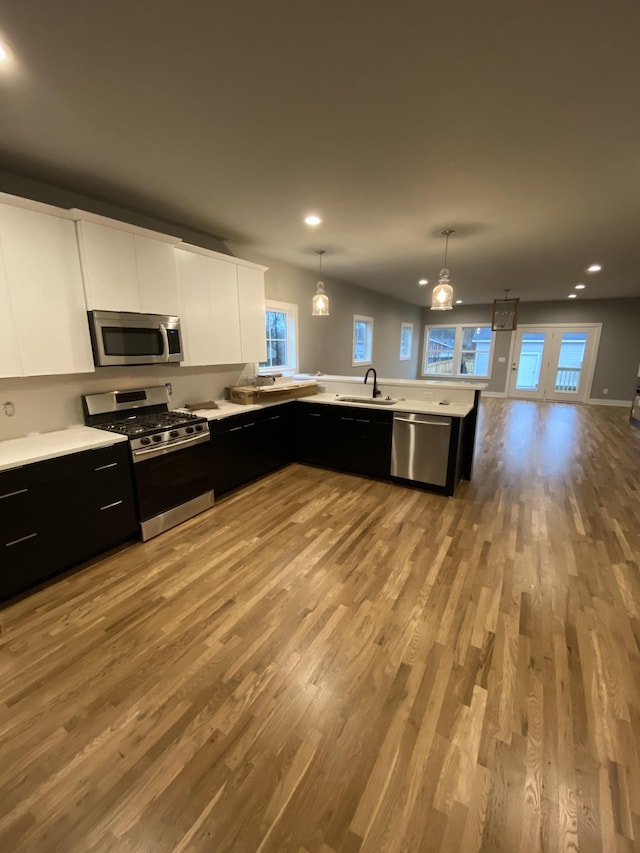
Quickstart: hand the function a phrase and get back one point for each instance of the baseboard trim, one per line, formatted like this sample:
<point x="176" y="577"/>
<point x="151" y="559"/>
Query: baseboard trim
<point x="597" y="401"/>
<point x="493" y="394"/>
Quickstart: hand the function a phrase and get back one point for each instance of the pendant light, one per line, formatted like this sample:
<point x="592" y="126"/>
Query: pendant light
<point x="320" y="300"/>
<point x="442" y="296"/>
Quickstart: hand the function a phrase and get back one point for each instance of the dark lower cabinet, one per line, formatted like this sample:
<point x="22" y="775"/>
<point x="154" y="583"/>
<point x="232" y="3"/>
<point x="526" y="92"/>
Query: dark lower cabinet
<point x="317" y="439"/>
<point x="356" y="440"/>
<point x="247" y="446"/>
<point x="57" y="513"/>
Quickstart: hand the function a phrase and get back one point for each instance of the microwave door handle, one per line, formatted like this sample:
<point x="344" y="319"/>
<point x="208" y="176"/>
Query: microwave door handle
<point x="165" y="342"/>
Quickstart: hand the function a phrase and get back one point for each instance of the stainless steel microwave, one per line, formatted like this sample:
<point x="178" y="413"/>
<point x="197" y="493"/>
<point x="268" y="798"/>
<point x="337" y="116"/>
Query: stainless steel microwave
<point x="126" y="338"/>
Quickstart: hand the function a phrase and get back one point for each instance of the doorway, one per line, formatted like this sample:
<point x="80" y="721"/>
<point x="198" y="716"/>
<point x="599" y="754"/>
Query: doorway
<point x="553" y="362"/>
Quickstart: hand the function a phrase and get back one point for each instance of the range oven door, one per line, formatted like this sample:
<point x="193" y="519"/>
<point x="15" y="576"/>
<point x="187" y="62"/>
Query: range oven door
<point x="166" y="482"/>
<point x="125" y="338"/>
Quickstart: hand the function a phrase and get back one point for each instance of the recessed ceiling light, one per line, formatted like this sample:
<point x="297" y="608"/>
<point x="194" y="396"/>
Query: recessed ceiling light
<point x="594" y="268"/>
<point x="4" y="51"/>
<point x="458" y="301"/>
<point x="580" y="286"/>
<point x="313" y="219"/>
<point x="573" y="296"/>
<point x="423" y="281"/>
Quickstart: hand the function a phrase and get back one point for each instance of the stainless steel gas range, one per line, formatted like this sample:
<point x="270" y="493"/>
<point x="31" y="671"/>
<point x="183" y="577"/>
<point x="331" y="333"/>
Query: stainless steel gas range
<point x="170" y="451"/>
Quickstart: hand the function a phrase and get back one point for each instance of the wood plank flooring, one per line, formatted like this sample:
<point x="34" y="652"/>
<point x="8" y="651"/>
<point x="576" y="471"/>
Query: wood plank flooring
<point x="326" y="663"/>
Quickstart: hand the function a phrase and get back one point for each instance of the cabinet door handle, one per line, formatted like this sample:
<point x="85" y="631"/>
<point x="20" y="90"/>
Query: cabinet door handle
<point x="363" y="421"/>
<point x="104" y="467"/>
<point x="246" y="426"/>
<point x="235" y="429"/>
<point x="347" y="419"/>
<point x="314" y="415"/>
<point x="110" y="506"/>
<point x="22" y="539"/>
<point x="13" y="494"/>
<point x="274" y="418"/>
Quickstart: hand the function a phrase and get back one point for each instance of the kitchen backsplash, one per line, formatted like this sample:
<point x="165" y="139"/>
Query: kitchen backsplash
<point x="46" y="403"/>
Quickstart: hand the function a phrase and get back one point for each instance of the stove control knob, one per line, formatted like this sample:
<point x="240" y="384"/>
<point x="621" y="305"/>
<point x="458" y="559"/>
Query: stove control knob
<point x="189" y="430"/>
<point x="174" y="433"/>
<point x="146" y="440"/>
<point x="157" y="438"/>
<point x="198" y="427"/>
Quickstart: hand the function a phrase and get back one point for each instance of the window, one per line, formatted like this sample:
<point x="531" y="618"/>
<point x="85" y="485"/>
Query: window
<point x="406" y="341"/>
<point x="457" y="350"/>
<point x="362" y="339"/>
<point x="281" y="320"/>
<point x="440" y="344"/>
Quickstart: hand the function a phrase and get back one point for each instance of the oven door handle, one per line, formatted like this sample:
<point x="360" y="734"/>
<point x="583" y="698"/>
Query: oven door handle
<point x="165" y="342"/>
<point x="149" y="452"/>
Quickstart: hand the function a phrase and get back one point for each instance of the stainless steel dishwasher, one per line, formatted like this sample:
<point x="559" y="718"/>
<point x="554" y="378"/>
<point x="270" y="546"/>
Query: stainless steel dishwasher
<point x="420" y="449"/>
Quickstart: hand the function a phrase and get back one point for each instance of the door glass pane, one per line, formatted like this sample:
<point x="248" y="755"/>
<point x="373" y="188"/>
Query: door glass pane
<point x="530" y="363"/>
<point x="440" y="350"/>
<point x="572" y="349"/>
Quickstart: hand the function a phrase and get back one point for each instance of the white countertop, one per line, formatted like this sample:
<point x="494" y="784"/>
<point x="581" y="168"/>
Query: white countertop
<point x="47" y="445"/>
<point x="455" y="410"/>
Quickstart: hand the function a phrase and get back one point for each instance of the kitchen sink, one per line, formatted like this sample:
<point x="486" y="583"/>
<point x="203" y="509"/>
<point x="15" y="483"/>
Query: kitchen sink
<point x="374" y="401"/>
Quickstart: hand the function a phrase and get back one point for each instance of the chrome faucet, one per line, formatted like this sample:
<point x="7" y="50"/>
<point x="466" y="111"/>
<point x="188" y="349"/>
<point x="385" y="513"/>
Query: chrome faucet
<point x="376" y="391"/>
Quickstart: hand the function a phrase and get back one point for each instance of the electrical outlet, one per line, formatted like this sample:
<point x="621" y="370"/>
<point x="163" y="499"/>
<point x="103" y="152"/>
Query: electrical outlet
<point x="427" y="395"/>
<point x="605" y="390"/>
<point x="501" y="359"/>
<point x="9" y="409"/>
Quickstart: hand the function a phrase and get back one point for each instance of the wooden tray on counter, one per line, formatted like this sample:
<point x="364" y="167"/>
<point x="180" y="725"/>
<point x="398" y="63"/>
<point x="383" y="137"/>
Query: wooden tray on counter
<point x="248" y="394"/>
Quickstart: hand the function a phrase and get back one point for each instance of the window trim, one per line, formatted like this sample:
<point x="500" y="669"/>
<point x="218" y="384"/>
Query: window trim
<point x="457" y="351"/>
<point x="291" y="310"/>
<point x="355" y="362"/>
<point x="404" y="326"/>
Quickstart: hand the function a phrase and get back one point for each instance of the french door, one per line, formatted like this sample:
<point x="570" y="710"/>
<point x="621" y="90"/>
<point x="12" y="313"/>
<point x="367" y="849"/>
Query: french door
<point x="553" y="362"/>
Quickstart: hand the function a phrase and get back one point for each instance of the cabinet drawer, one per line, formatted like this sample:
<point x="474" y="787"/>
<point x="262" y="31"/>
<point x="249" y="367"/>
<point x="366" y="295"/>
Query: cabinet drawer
<point x="17" y="511"/>
<point x="97" y="529"/>
<point x="24" y="562"/>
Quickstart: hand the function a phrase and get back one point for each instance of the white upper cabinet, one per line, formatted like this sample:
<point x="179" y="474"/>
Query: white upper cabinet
<point x="221" y="308"/>
<point x="225" y="328"/>
<point x="126" y="269"/>
<point x="109" y="267"/>
<point x="43" y="287"/>
<point x="196" y="311"/>
<point x="10" y="360"/>
<point x="157" y="278"/>
<point x="253" y="336"/>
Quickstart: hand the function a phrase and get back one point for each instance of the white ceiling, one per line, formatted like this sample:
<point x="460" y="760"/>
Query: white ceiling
<point x="516" y="124"/>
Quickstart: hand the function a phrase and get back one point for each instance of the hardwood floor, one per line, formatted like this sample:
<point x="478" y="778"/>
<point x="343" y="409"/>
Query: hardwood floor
<point x="326" y="663"/>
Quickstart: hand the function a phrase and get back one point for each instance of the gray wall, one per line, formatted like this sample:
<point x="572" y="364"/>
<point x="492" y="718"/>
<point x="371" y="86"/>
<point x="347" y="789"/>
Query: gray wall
<point x="618" y="356"/>
<point x="326" y="342"/>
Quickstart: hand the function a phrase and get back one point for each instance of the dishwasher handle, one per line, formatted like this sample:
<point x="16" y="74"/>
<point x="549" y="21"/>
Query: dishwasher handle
<point x="444" y="423"/>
